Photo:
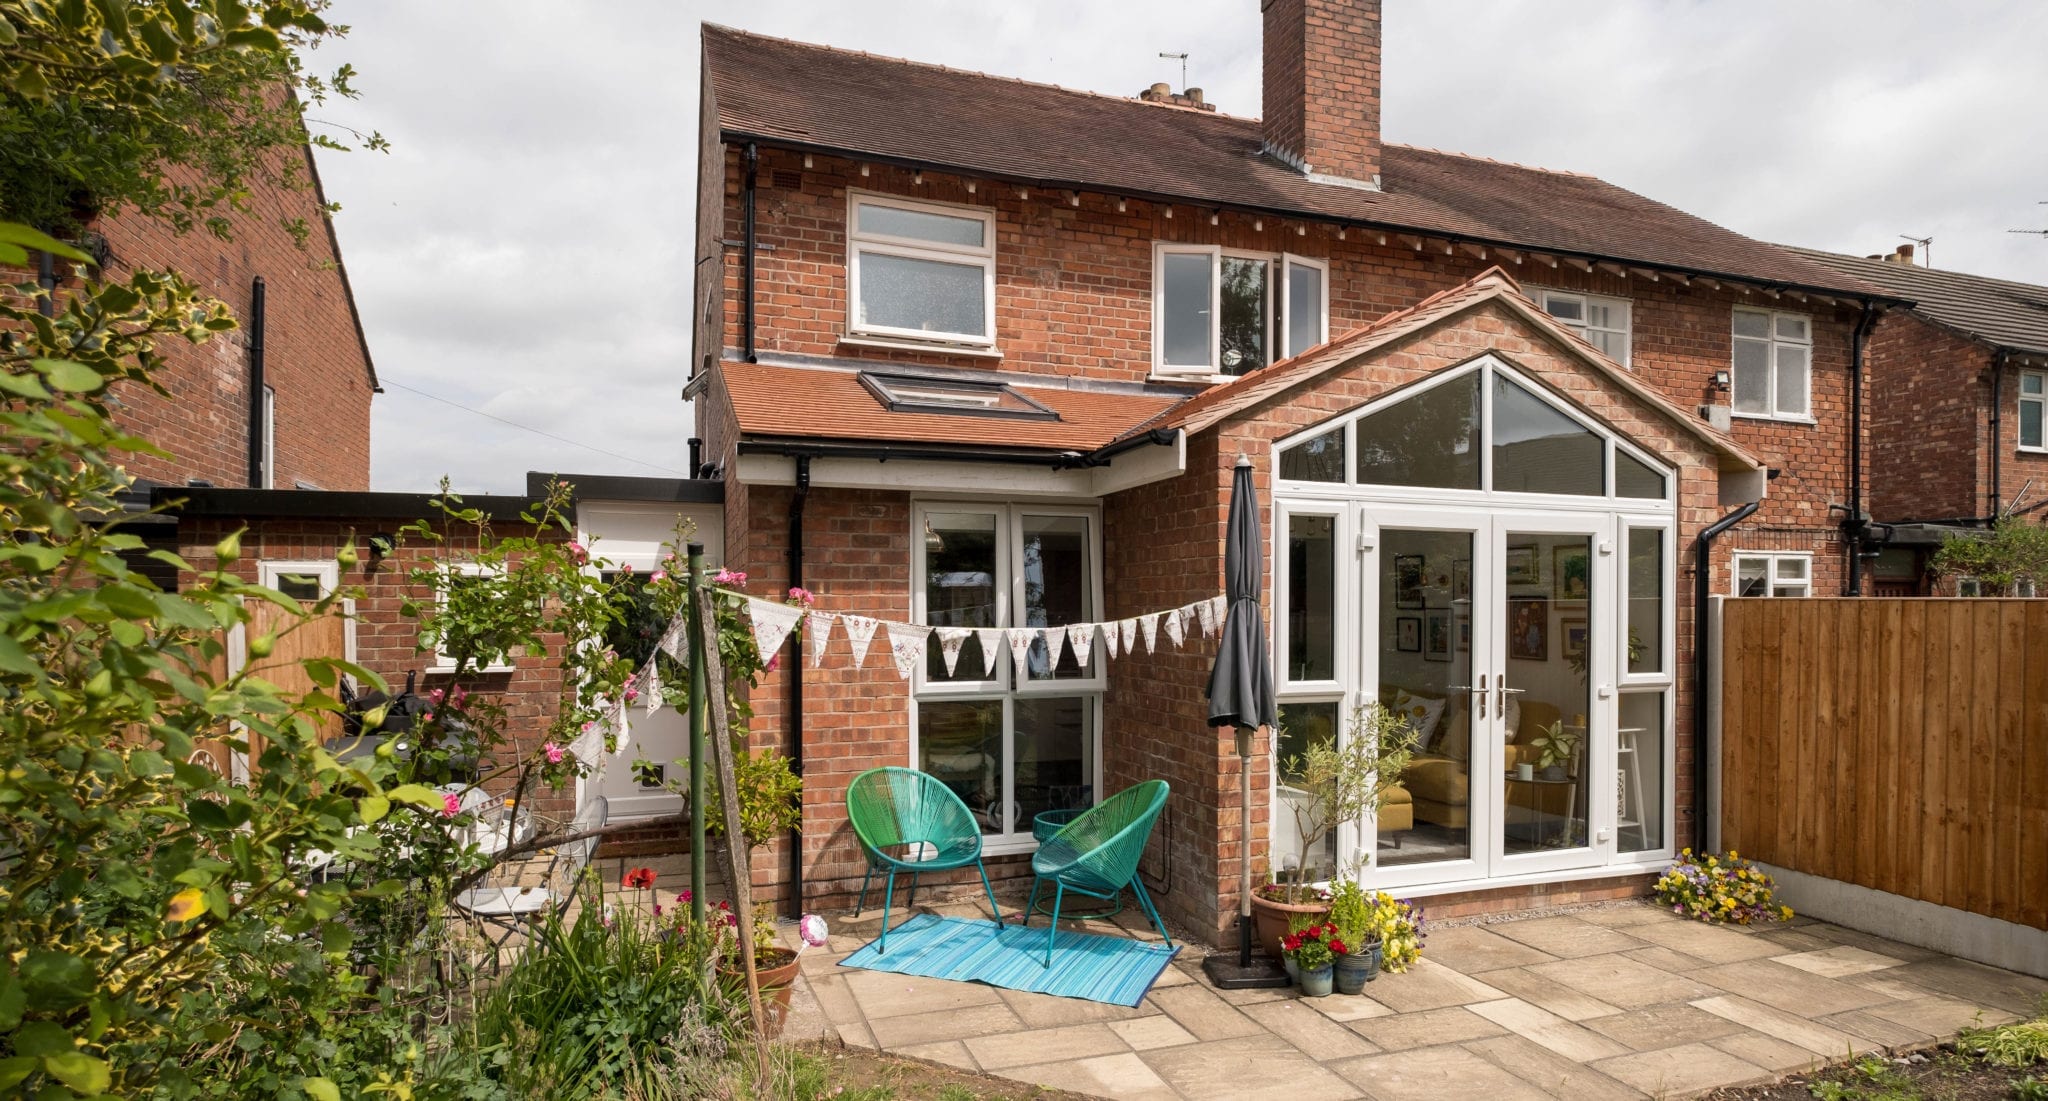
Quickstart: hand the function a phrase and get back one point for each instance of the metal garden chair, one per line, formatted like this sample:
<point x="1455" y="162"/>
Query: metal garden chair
<point x="1097" y="855"/>
<point x="907" y="821"/>
<point x="507" y="903"/>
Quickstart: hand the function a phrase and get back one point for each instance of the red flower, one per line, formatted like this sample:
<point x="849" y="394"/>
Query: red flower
<point x="1337" y="946"/>
<point x="639" y="878"/>
<point x="1290" y="943"/>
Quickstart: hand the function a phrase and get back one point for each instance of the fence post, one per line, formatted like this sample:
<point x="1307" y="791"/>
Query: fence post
<point x="1709" y="740"/>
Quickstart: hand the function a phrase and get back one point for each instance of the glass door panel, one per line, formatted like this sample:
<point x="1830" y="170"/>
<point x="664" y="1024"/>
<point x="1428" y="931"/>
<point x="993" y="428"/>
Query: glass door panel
<point x="1424" y="637"/>
<point x="1554" y="631"/>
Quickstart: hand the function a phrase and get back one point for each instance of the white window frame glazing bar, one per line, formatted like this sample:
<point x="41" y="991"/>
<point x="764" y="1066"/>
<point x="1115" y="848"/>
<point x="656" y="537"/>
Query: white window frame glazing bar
<point x="1772" y="341"/>
<point x="2039" y="400"/>
<point x="916" y="249"/>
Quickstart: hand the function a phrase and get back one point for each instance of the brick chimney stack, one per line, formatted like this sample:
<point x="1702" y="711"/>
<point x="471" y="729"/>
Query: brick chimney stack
<point x="1321" y="110"/>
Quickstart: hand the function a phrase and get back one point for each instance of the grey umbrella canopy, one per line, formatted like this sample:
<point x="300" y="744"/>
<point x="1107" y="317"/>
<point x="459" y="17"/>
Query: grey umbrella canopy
<point x="1241" y="696"/>
<point x="1241" y="684"/>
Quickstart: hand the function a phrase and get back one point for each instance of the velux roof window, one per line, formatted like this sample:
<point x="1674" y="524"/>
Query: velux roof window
<point x="957" y="397"/>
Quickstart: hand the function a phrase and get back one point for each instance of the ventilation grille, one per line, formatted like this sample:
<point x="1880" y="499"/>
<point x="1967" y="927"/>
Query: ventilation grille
<point x="785" y="179"/>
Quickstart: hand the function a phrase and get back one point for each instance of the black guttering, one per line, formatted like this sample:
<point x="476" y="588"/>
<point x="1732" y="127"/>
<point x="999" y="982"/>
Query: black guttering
<point x="1702" y="668"/>
<point x="257" y="383"/>
<point x="913" y="164"/>
<point x="886" y="452"/>
<point x="796" y="673"/>
<point x="1996" y="501"/>
<point x="308" y="504"/>
<point x="1856" y="527"/>
<point x="628" y="487"/>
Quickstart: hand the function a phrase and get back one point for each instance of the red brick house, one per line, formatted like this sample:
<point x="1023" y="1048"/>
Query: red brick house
<point x="1958" y="389"/>
<point x="978" y="352"/>
<point x="282" y="402"/>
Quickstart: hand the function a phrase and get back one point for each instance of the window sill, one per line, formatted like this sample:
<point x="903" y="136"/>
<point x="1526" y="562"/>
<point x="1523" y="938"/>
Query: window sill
<point x="444" y="668"/>
<point x="1010" y="846"/>
<point x="932" y="348"/>
<point x="1196" y="377"/>
<point x="1772" y="418"/>
<point x="2025" y="450"/>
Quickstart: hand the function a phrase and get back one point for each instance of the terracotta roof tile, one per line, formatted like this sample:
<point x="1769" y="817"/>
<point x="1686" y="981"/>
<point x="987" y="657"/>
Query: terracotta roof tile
<point x="813" y="403"/>
<point x="793" y="93"/>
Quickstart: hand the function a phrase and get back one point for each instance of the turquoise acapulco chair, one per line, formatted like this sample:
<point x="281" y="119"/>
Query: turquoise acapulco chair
<point x="1097" y="855"/>
<point x="908" y="821"/>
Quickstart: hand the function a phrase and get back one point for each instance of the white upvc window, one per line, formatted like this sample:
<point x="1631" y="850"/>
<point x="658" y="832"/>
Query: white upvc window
<point x="1011" y="746"/>
<point x="920" y="271"/>
<point x="1603" y="321"/>
<point x="1772" y="574"/>
<point x="2033" y="410"/>
<point x="454" y="576"/>
<point x="1772" y="374"/>
<point x="1223" y="312"/>
<point x="303" y="581"/>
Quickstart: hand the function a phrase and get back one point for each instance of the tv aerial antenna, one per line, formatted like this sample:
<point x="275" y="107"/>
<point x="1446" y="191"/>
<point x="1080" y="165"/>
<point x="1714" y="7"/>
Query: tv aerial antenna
<point x="2034" y="232"/>
<point x="1183" y="59"/>
<point x="1926" y="248"/>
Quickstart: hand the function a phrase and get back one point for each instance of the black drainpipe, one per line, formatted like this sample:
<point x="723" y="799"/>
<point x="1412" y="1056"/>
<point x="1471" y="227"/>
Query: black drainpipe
<point x="753" y="158"/>
<point x="1856" y="528"/>
<point x="696" y="456"/>
<point x="46" y="278"/>
<point x="1703" y="581"/>
<point x="796" y="676"/>
<point x="256" y="383"/>
<point x="1997" y="501"/>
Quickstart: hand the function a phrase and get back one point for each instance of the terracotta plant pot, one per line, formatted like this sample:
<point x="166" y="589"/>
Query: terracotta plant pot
<point x="1270" y="919"/>
<point x="775" y="981"/>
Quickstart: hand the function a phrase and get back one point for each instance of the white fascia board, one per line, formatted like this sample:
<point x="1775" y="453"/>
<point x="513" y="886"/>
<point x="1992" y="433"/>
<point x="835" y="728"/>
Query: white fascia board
<point x="1142" y="466"/>
<point x="1742" y="485"/>
<point x="1132" y="468"/>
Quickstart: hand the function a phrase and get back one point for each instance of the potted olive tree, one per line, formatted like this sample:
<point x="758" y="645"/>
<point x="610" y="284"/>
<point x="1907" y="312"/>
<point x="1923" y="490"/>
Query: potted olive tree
<point x="1342" y="784"/>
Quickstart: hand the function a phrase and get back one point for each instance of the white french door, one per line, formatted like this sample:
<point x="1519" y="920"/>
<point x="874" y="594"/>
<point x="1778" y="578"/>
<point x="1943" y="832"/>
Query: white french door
<point x="1489" y="631"/>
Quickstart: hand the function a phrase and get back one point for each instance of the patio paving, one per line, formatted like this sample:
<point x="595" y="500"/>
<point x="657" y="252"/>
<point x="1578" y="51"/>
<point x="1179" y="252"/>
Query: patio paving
<point x="1623" y="1000"/>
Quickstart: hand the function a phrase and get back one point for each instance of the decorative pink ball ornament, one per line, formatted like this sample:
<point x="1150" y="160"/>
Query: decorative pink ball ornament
<point x="811" y="928"/>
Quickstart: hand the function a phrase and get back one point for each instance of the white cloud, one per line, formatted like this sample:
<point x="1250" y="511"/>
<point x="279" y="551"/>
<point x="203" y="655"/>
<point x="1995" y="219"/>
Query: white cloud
<point x="525" y="248"/>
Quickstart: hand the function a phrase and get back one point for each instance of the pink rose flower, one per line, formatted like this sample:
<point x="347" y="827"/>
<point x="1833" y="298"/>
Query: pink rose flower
<point x="632" y="693"/>
<point x="436" y="696"/>
<point x="554" y="753"/>
<point x="802" y="596"/>
<point x="772" y="663"/>
<point x="658" y="575"/>
<point x="450" y="805"/>
<point x="627" y="570"/>
<point x="730" y="577"/>
<point x="578" y="554"/>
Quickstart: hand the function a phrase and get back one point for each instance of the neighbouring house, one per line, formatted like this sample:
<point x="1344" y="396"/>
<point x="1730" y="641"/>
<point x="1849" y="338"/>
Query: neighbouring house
<point x="290" y="539"/>
<point x="1958" y="408"/>
<point x="978" y="352"/>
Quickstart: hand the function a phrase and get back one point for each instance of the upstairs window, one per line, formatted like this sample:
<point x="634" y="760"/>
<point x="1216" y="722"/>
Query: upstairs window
<point x="921" y="271"/>
<point x="1604" y="322"/>
<point x="1225" y="313"/>
<point x="2033" y="410"/>
<point x="1773" y="368"/>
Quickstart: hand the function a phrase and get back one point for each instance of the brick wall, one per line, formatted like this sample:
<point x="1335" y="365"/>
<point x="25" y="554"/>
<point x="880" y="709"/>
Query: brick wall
<point x="313" y="357"/>
<point x="1074" y="299"/>
<point x="1928" y="423"/>
<point x="384" y="637"/>
<point x="1320" y="84"/>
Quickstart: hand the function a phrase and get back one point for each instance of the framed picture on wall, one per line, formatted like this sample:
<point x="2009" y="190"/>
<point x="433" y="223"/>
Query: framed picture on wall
<point x="1461" y="579"/>
<point x="1574" y="572"/>
<point x="1408" y="634"/>
<point x="1408" y="580"/>
<point x="1522" y="567"/>
<point x="1529" y="628"/>
<point x="1436" y="636"/>
<point x="1464" y="635"/>
<point x="1575" y="634"/>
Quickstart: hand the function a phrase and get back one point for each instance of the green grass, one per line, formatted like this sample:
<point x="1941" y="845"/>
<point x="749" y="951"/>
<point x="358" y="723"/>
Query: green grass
<point x="2017" y="1046"/>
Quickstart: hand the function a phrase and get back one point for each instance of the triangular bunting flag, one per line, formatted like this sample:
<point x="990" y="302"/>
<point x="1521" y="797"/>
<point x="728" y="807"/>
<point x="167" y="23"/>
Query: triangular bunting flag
<point x="675" y="642"/>
<point x="1109" y="633"/>
<point x="619" y="719"/>
<point x="860" y="630"/>
<point x="991" y="639"/>
<point x="1128" y="628"/>
<point x="906" y="644"/>
<point x="650" y="685"/>
<point x="1221" y="604"/>
<point x="1081" y="640"/>
<point x="1055" y="644"/>
<point x="1019" y="639"/>
<point x="1205" y="611"/>
<point x="1148" y="626"/>
<point x="1176" y="627"/>
<point x="818" y="634"/>
<point x="772" y="624"/>
<point x="951" y="639"/>
<point x="589" y="743"/>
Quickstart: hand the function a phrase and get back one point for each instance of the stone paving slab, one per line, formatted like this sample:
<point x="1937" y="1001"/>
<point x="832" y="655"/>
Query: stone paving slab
<point x="1606" y="1003"/>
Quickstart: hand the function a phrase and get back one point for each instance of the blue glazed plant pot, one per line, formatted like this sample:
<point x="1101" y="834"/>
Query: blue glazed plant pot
<point x="1355" y="969"/>
<point x="1293" y="969"/>
<point x="1317" y="983"/>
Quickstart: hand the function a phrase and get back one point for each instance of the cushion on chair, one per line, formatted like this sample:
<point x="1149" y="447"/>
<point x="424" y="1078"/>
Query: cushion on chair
<point x="1437" y="779"/>
<point x="505" y="901"/>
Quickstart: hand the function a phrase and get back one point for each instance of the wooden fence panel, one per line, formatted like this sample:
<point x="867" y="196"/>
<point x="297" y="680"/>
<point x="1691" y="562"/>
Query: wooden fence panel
<point x="1895" y="743"/>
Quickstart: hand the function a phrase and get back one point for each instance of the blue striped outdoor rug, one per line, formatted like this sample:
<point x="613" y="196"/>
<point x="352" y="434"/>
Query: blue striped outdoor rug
<point x="1116" y="970"/>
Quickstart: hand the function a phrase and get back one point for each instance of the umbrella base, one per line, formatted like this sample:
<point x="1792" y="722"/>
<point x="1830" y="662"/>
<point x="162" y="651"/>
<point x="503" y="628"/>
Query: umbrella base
<point x="1227" y="971"/>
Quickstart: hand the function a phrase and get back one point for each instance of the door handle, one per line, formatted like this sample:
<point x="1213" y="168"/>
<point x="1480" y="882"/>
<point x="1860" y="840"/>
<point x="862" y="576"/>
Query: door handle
<point x="1500" y="702"/>
<point x="1481" y="694"/>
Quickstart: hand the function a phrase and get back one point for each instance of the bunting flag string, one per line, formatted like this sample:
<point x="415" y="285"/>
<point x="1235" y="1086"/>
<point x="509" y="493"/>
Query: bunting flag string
<point x="1109" y="633"/>
<point x="1020" y="649"/>
<point x="1205" y="611"/>
<point x="1148" y="626"/>
<point x="1055" y="644"/>
<point x="650" y="685"/>
<point x="991" y="639"/>
<point x="1128" y="628"/>
<point x="675" y="642"/>
<point x="1176" y="628"/>
<point x="773" y="622"/>
<point x="1081" y="640"/>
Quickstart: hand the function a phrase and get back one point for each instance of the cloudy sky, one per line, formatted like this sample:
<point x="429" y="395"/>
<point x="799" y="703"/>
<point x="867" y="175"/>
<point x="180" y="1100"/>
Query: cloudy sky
<point x="523" y="252"/>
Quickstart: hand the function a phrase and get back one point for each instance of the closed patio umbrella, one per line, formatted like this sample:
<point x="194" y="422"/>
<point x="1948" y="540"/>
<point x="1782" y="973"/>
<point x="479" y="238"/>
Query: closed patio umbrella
<point x="1241" y="696"/>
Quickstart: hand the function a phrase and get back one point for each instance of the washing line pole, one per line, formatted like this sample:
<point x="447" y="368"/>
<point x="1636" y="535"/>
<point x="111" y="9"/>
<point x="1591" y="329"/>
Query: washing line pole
<point x="697" y="712"/>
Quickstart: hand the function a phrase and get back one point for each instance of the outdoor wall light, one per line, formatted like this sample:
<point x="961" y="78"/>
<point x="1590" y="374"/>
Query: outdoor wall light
<point x="1720" y="380"/>
<point x="381" y="544"/>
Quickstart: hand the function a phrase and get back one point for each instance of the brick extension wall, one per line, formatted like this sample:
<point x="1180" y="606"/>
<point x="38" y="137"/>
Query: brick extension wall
<point x="1928" y="421"/>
